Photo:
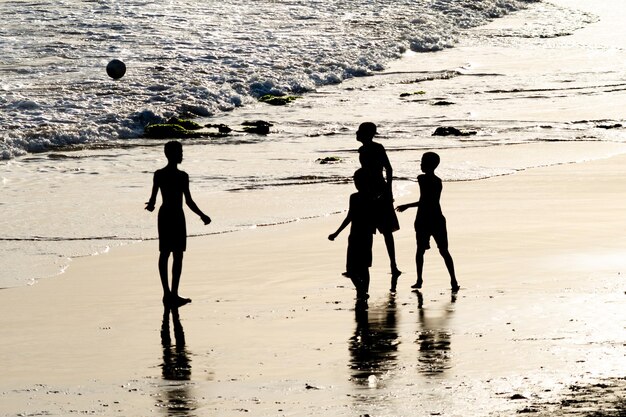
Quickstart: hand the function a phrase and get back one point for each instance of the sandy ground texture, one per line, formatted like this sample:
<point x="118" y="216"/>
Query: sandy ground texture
<point x="606" y="398"/>
<point x="272" y="328"/>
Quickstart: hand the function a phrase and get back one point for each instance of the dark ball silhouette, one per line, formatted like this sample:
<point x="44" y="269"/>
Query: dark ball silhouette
<point x="116" y="69"/>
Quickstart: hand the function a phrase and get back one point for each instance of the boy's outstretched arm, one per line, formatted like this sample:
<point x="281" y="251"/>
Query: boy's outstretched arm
<point x="343" y="225"/>
<point x="192" y="205"/>
<point x="403" y="207"/>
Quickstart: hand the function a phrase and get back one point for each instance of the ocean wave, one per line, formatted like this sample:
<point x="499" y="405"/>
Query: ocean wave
<point x="562" y="22"/>
<point x="197" y="58"/>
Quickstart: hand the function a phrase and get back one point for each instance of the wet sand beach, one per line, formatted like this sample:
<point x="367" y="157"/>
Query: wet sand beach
<point x="272" y="328"/>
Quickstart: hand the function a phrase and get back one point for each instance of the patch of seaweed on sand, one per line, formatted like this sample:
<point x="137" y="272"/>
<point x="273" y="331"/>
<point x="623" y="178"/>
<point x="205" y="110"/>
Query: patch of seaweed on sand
<point x="605" y="398"/>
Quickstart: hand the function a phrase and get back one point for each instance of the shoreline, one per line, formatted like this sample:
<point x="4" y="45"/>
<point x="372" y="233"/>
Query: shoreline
<point x="552" y="154"/>
<point x="272" y="327"/>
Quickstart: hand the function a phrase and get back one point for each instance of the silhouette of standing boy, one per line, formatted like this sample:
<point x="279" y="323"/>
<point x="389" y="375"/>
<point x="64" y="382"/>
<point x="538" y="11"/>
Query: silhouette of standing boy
<point x="174" y="184"/>
<point x="362" y="228"/>
<point x="374" y="160"/>
<point x="429" y="220"/>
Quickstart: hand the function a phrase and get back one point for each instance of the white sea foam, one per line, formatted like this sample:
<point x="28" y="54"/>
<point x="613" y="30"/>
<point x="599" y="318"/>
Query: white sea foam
<point x="198" y="57"/>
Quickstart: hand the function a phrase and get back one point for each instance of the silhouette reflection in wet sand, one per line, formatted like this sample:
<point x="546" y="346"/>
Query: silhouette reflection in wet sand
<point x="433" y="338"/>
<point x="174" y="185"/>
<point x="374" y="345"/>
<point x="176" y="396"/>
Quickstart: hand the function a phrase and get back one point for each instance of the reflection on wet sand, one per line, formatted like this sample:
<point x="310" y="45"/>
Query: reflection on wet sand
<point x="374" y="345"/>
<point x="433" y="338"/>
<point x="175" y="397"/>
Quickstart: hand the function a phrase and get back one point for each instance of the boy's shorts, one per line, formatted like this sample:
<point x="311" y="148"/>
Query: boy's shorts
<point x="359" y="253"/>
<point x="437" y="229"/>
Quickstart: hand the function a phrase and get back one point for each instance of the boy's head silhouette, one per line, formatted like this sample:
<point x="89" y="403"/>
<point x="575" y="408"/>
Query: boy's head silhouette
<point x="174" y="151"/>
<point x="430" y="161"/>
<point x="366" y="132"/>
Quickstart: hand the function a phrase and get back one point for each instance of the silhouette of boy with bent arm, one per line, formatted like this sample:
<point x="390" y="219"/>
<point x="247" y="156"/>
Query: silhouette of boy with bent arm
<point x="174" y="184"/>
<point x="429" y="220"/>
<point x="362" y="228"/>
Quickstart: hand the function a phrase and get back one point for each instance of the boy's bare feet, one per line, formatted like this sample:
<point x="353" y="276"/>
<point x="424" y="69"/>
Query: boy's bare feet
<point x="417" y="285"/>
<point x="361" y="303"/>
<point x="455" y="287"/>
<point x="180" y="301"/>
<point x="175" y="300"/>
<point x="394" y="279"/>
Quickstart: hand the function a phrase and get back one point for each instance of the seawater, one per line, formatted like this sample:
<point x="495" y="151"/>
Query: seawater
<point x="76" y="172"/>
<point x="197" y="57"/>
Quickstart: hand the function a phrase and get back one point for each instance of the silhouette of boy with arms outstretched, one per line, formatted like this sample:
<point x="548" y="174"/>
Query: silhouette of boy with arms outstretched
<point x="362" y="228"/>
<point x="429" y="220"/>
<point x="374" y="160"/>
<point x="174" y="184"/>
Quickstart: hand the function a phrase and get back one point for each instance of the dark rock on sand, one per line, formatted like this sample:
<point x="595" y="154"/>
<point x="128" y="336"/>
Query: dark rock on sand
<point x="173" y="128"/>
<point x="174" y="131"/>
<point x="328" y="160"/>
<point x="169" y="131"/>
<point x="451" y="131"/>
<point x="176" y="128"/>
<point x="442" y="103"/>
<point x="413" y="93"/>
<point x="221" y="127"/>
<point x="184" y="123"/>
<point x="260" y="127"/>
<point x="277" y="100"/>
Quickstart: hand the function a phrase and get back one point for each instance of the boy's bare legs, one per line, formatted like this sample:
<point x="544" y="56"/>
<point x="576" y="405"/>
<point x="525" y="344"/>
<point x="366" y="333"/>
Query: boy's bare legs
<point x="391" y="251"/>
<point x="447" y="258"/>
<point x="356" y="281"/>
<point x="163" y="261"/>
<point x="362" y="289"/>
<point x="361" y="281"/>
<point x="177" y="268"/>
<point x="365" y="283"/>
<point x="419" y="264"/>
